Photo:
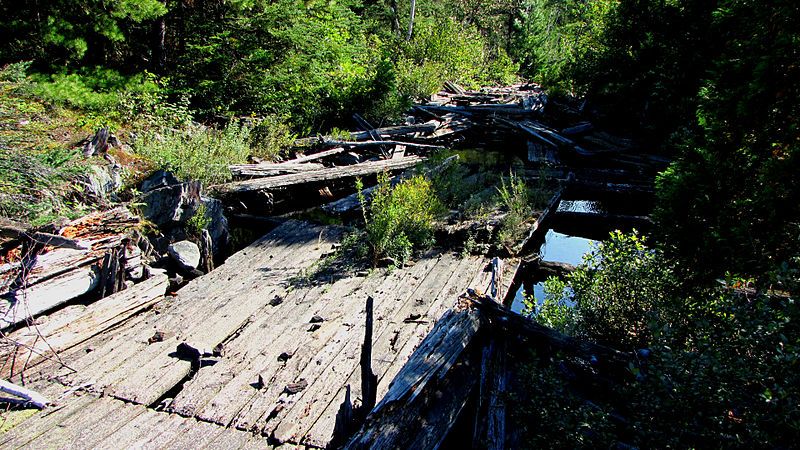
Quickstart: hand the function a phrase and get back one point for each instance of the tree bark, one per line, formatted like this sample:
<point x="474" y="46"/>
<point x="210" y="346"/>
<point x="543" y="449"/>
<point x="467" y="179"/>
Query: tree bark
<point x="411" y="19"/>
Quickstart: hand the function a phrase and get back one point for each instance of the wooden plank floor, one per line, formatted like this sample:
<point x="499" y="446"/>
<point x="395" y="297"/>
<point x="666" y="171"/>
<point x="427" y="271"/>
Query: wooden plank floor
<point x="262" y="346"/>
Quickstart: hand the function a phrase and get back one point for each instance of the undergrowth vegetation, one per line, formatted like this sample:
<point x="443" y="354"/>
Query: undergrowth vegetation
<point x="399" y="219"/>
<point x="202" y="154"/>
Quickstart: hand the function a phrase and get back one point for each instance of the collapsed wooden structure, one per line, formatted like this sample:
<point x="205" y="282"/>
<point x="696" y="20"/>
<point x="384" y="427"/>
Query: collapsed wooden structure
<point x="256" y="354"/>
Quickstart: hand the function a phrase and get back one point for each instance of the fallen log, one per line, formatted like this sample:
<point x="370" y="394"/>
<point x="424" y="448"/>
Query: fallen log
<point x="332" y="173"/>
<point x="555" y="268"/>
<point x="268" y="170"/>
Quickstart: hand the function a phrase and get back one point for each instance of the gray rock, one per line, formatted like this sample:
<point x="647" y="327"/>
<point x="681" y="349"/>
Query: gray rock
<point x="186" y="253"/>
<point x="159" y="179"/>
<point x="218" y="226"/>
<point x="171" y="205"/>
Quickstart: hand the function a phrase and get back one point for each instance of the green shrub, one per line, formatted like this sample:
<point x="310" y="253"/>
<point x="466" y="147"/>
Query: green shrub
<point x="271" y="137"/>
<point x="202" y="155"/>
<point x="619" y="291"/>
<point x="515" y="197"/>
<point x="399" y="220"/>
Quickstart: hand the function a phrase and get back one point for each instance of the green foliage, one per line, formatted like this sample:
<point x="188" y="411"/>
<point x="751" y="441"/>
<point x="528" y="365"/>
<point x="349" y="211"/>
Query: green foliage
<point x="399" y="219"/>
<point x="200" y="154"/>
<point x="199" y="221"/>
<point x="548" y="414"/>
<point x="557" y="310"/>
<point x="722" y="366"/>
<point x="617" y="294"/>
<point x="442" y="49"/>
<point x="270" y="137"/>
<point x="515" y="197"/>
<point x="553" y="39"/>
<point x="58" y="32"/>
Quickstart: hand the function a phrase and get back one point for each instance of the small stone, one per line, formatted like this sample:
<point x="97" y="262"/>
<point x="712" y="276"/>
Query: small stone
<point x="186" y="253"/>
<point x="294" y="388"/>
<point x="285" y="356"/>
<point x="316" y="319"/>
<point x="277" y="300"/>
<point x="159" y="336"/>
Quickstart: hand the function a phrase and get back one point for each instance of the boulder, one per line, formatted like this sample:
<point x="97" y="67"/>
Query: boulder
<point x="185" y="253"/>
<point x="218" y="225"/>
<point x="171" y="205"/>
<point x="159" y="179"/>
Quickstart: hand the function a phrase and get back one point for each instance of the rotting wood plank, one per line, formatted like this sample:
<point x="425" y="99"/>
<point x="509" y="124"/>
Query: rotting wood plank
<point x="80" y="428"/>
<point x="230" y="381"/>
<point x="43" y="421"/>
<point x="46" y="295"/>
<point x="426" y="307"/>
<point x="109" y="357"/>
<point x="295" y="340"/>
<point x="269" y="170"/>
<point x="306" y="410"/>
<point x="134" y="429"/>
<point x="257" y="413"/>
<point x="159" y="372"/>
<point x="333" y="173"/>
<point x="427" y="127"/>
<point x="184" y="308"/>
<point x="394" y="422"/>
<point x="397" y="335"/>
<point x="36" y="343"/>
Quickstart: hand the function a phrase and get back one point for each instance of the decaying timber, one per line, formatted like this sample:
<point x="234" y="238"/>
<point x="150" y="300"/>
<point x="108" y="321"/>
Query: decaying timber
<point x="50" y="276"/>
<point x="326" y="174"/>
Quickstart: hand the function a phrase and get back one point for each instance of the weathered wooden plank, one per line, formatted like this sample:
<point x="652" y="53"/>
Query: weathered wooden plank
<point x="155" y="372"/>
<point x="35" y="344"/>
<point x="385" y="132"/>
<point x="268" y="170"/>
<point x="389" y="346"/>
<point x="44" y="421"/>
<point x="218" y="392"/>
<point x="379" y="287"/>
<point x="328" y="174"/>
<point x="397" y="421"/>
<point x="266" y="258"/>
<point x="307" y="409"/>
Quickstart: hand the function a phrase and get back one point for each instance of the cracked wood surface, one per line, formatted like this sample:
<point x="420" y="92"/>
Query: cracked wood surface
<point x="266" y="345"/>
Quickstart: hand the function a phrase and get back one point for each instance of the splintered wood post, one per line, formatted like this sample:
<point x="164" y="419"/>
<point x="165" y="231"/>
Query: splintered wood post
<point x="113" y="275"/>
<point x="369" y="381"/>
<point x="206" y="252"/>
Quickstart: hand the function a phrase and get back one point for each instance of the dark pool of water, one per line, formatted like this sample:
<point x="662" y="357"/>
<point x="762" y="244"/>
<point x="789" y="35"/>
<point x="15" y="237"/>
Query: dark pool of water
<point x="557" y="247"/>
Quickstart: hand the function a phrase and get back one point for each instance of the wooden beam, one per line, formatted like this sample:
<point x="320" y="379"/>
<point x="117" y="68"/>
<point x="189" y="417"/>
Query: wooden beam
<point x="333" y="173"/>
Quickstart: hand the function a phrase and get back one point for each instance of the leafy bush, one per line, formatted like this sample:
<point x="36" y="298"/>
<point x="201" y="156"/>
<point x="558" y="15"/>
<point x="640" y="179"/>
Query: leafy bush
<point x="399" y="219"/>
<point x="720" y="365"/>
<point x="514" y="196"/>
<point x="202" y="155"/>
<point x="271" y="136"/>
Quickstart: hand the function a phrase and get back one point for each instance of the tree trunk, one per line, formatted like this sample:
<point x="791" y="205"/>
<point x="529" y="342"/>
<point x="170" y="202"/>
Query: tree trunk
<point x="411" y="19"/>
<point x="159" y="51"/>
